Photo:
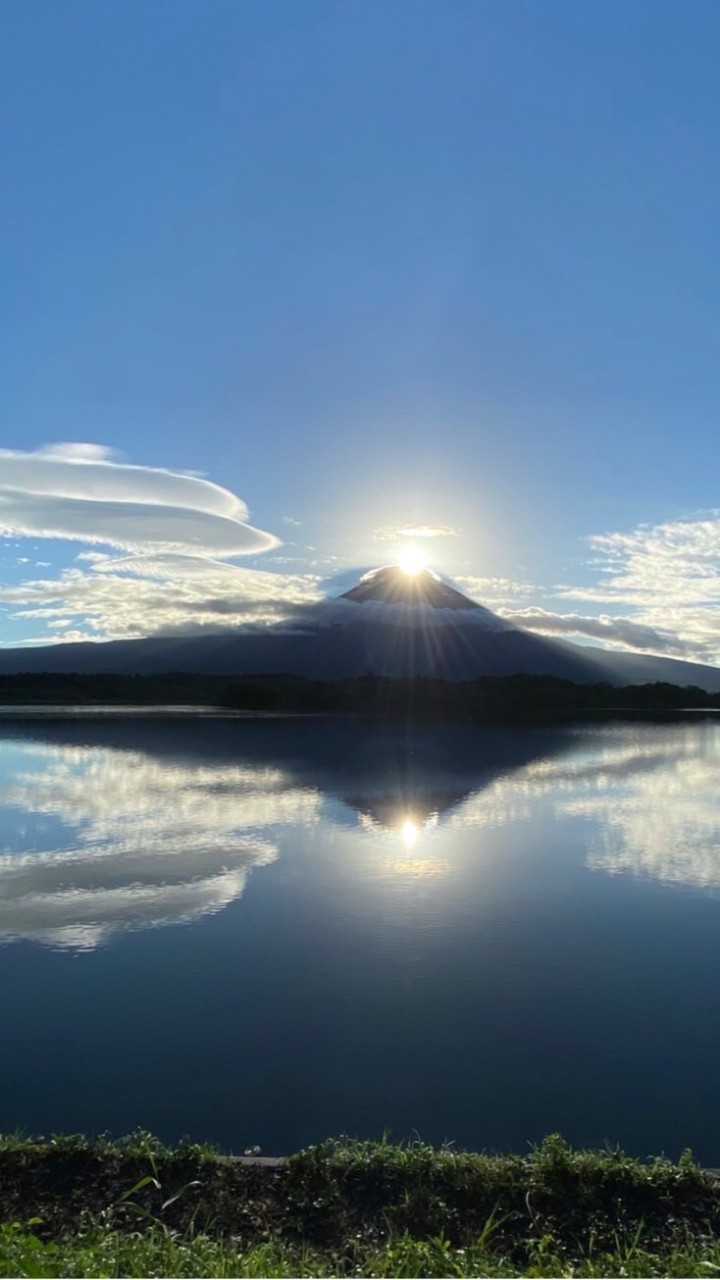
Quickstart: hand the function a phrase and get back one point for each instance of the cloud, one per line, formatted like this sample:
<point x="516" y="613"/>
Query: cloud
<point x="681" y="558"/>
<point x="123" y="598"/>
<point x="79" y="493"/>
<point x="668" y="575"/>
<point x="611" y="630"/>
<point x="175" y="532"/>
<point x="390" y="533"/>
<point x="81" y="451"/>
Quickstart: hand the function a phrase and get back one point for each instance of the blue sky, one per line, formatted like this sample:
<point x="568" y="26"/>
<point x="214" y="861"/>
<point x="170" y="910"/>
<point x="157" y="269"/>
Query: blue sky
<point x="367" y="265"/>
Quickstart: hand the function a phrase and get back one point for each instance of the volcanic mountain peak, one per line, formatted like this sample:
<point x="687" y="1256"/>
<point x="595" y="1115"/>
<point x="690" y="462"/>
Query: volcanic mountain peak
<point x="392" y="585"/>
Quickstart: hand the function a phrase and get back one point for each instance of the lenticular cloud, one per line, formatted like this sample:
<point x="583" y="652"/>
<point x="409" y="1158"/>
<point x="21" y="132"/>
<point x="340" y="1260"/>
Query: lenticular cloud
<point x="78" y="492"/>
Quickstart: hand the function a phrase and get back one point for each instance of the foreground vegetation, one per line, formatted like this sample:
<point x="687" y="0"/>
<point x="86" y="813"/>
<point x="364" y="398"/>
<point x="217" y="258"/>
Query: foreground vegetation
<point x="487" y="700"/>
<point x="74" y="1207"/>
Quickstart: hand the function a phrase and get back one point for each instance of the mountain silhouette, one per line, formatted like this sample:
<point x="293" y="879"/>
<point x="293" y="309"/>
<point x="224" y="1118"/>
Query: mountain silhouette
<point x="392" y="585"/>
<point x="390" y="624"/>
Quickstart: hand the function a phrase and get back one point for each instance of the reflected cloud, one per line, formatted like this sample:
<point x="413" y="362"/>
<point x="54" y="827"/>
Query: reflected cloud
<point x="137" y="841"/>
<point x="665" y="825"/>
<point x="36" y="907"/>
<point x="649" y="792"/>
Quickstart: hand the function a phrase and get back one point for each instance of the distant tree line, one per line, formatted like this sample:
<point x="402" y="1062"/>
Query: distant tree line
<point x="73" y="689"/>
<point x="487" y="700"/>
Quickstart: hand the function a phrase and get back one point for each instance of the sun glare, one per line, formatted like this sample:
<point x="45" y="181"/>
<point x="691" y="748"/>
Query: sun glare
<point x="411" y="561"/>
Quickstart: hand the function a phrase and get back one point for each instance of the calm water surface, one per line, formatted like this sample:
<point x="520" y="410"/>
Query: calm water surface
<point x="271" y="932"/>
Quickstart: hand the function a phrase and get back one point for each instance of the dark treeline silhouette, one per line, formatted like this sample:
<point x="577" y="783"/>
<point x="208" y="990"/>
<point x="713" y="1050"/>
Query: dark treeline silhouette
<point x="51" y="689"/>
<point x="489" y="699"/>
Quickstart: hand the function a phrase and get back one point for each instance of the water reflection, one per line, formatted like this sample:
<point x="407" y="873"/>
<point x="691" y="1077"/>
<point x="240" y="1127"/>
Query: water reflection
<point x="409" y="833"/>
<point x="132" y="840"/>
<point x="99" y="836"/>
<point x="648" y="792"/>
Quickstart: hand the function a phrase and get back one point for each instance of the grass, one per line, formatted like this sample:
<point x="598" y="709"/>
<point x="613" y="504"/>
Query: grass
<point x="73" y="1206"/>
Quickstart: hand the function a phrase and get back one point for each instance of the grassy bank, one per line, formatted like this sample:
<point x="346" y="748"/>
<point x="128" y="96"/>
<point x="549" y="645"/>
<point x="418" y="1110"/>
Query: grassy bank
<point x="72" y="1207"/>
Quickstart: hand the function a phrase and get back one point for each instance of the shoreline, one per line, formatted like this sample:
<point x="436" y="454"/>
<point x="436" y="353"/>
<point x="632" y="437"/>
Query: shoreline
<point x="350" y="1208"/>
<point x="14" y="712"/>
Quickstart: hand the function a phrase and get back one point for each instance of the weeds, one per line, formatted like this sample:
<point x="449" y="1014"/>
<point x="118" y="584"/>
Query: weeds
<point x="74" y="1206"/>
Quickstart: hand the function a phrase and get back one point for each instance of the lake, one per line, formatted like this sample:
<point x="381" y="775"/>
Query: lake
<point x="268" y="932"/>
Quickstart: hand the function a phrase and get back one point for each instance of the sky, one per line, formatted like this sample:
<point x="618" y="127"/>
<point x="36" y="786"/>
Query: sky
<point x="291" y="285"/>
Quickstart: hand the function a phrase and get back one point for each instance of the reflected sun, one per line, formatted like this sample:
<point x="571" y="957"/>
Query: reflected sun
<point x="409" y="833"/>
<point x="411" y="561"/>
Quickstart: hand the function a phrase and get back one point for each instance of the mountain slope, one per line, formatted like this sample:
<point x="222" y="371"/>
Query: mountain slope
<point x="392" y="585"/>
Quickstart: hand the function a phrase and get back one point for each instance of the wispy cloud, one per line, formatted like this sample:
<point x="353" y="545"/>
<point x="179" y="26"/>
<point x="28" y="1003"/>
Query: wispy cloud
<point x="679" y="560"/>
<point x="391" y="533"/>
<point x="667" y="578"/>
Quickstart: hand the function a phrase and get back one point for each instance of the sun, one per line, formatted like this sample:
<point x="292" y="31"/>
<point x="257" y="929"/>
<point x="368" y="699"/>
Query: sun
<point x="411" y="561"/>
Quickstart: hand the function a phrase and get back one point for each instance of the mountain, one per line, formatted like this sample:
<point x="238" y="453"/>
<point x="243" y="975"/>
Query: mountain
<point x="391" y="624"/>
<point x="392" y="585"/>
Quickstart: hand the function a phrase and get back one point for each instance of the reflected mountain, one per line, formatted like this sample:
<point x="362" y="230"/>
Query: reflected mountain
<point x="113" y="838"/>
<point x="377" y="771"/>
<point x="100" y="836"/>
